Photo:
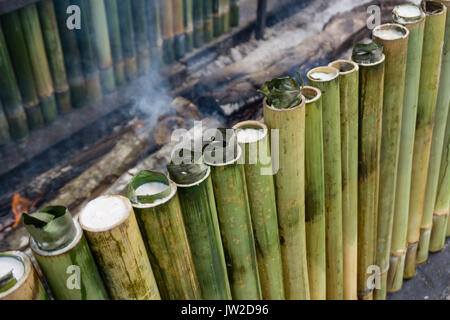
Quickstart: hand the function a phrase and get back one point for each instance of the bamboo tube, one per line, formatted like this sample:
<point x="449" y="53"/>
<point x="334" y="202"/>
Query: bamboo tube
<point x="189" y="24"/>
<point x="217" y="17"/>
<point x="55" y="54"/>
<point x="371" y="79"/>
<point x="225" y="17"/>
<point x="128" y="38"/>
<point x="234" y="13"/>
<point x="10" y="95"/>
<point x="208" y="20"/>
<point x="429" y="213"/>
<point x="5" y="138"/>
<point x="178" y="29"/>
<point x="198" y="206"/>
<point x="349" y="86"/>
<point x="22" y="66"/>
<point x="141" y="36"/>
<point x="428" y="91"/>
<point x="39" y="63"/>
<point x="198" y="23"/>
<point x="112" y="13"/>
<point x="161" y="223"/>
<point x="167" y="30"/>
<point x="155" y="35"/>
<point x="58" y="243"/>
<point x="333" y="177"/>
<point x="228" y="179"/>
<point x="72" y="58"/>
<point x="88" y="57"/>
<point x="315" y="194"/>
<point x="26" y="285"/>
<point x="102" y="45"/>
<point x="394" y="39"/>
<point x="416" y="27"/>
<point x="262" y="201"/>
<point x="116" y="243"/>
<point x="290" y="195"/>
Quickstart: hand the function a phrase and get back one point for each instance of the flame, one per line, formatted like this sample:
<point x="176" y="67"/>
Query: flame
<point x="19" y="206"/>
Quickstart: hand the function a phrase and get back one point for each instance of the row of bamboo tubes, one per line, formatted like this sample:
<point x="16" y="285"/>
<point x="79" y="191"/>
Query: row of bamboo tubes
<point x="48" y="69"/>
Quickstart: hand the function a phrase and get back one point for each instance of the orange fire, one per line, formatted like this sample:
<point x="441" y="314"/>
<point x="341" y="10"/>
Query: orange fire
<point x="19" y="206"/>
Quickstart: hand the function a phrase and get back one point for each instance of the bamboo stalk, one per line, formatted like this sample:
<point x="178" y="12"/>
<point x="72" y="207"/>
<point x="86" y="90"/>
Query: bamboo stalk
<point x="262" y="201"/>
<point x="428" y="91"/>
<point x="289" y="124"/>
<point x="128" y="38"/>
<point x="155" y="35"/>
<point x="55" y="54"/>
<point x="64" y="256"/>
<point x="88" y="57"/>
<point x="162" y="228"/>
<point x="141" y="36"/>
<point x="28" y="286"/>
<point x="349" y="86"/>
<point x="236" y="227"/>
<point x="416" y="27"/>
<point x="39" y="63"/>
<point x="198" y="23"/>
<point x="315" y="194"/>
<point x="217" y="11"/>
<point x="178" y="29"/>
<point x="72" y="58"/>
<point x="10" y="95"/>
<point x="225" y="16"/>
<point x="395" y="51"/>
<point x="189" y="24"/>
<point x="431" y="215"/>
<point x="118" y="249"/>
<point x="5" y="138"/>
<point x="22" y="66"/>
<point x="167" y="31"/>
<point x="371" y="79"/>
<point x="112" y="12"/>
<point x="333" y="178"/>
<point x="234" y="13"/>
<point x="208" y="20"/>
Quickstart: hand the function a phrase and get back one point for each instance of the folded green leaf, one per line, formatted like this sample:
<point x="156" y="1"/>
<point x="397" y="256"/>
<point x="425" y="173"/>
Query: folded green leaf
<point x="283" y="93"/>
<point x="367" y="52"/>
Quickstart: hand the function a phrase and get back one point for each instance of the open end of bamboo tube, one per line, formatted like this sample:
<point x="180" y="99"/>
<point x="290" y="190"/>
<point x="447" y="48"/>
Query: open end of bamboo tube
<point x="390" y="32"/>
<point x="105" y="213"/>
<point x="15" y="268"/>
<point x="432" y="8"/>
<point x="250" y="131"/>
<point x="323" y="74"/>
<point x="344" y="66"/>
<point x="368" y="53"/>
<point x="311" y="94"/>
<point x="408" y="13"/>
<point x="222" y="148"/>
<point x="213" y="161"/>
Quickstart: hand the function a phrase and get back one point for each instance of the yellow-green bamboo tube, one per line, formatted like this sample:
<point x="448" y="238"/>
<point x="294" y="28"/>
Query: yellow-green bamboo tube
<point x="28" y="286"/>
<point x="189" y="24"/>
<point x="155" y="35"/>
<point x="287" y="131"/>
<point x="178" y="29"/>
<point x="112" y="12"/>
<point x="217" y="17"/>
<point x="39" y="63"/>
<point x="333" y="177"/>
<point x="128" y="38"/>
<point x="208" y="20"/>
<point x="162" y="227"/>
<point x="167" y="30"/>
<point x="395" y="51"/>
<point x="4" y="128"/>
<point x="55" y="54"/>
<point x="119" y="249"/>
<point x="416" y="27"/>
<point x="315" y="194"/>
<point x="349" y="94"/>
<point x="428" y="91"/>
<point x="430" y="215"/>
<point x="371" y="79"/>
<point x="225" y="16"/>
<point x="261" y="195"/>
<point x="141" y="36"/>
<point x="234" y="13"/>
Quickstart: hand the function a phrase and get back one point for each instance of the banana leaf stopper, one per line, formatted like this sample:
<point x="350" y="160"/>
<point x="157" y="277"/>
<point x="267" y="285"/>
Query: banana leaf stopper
<point x="367" y="52"/>
<point x="186" y="166"/>
<point x="7" y="281"/>
<point x="52" y="228"/>
<point x="221" y="147"/>
<point x="283" y="93"/>
<point x="148" y="186"/>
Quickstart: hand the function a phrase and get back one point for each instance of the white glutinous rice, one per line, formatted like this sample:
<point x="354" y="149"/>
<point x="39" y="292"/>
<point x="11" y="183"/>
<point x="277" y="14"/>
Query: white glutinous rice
<point x="104" y="212"/>
<point x="8" y="264"/>
<point x="249" y="135"/>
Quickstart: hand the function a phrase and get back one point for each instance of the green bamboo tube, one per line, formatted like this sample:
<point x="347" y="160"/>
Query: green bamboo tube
<point x="88" y="56"/>
<point x="58" y="243"/>
<point x="162" y="227"/>
<point x="315" y="194"/>
<point x="236" y="226"/>
<point x="5" y="138"/>
<point x="333" y="177"/>
<point x="155" y="35"/>
<point x="72" y="58"/>
<point x="198" y="206"/>
<point x="217" y="11"/>
<point x="112" y="13"/>
<point x="416" y="27"/>
<point x="55" y="54"/>
<point x="437" y="146"/>
<point x="225" y="16"/>
<point x="371" y="79"/>
<point x="39" y="63"/>
<point x="141" y="36"/>
<point x="290" y="195"/>
<point x="208" y="20"/>
<point x="167" y="23"/>
<point x="22" y="66"/>
<point x="10" y="95"/>
<point x="22" y="283"/>
<point x="394" y="39"/>
<point x="189" y="24"/>
<point x="178" y="29"/>
<point x="234" y="13"/>
<point x="117" y="246"/>
<point x="262" y="201"/>
<point x="428" y="91"/>
<point x="349" y="86"/>
<point x="198" y="23"/>
<point x="128" y="38"/>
